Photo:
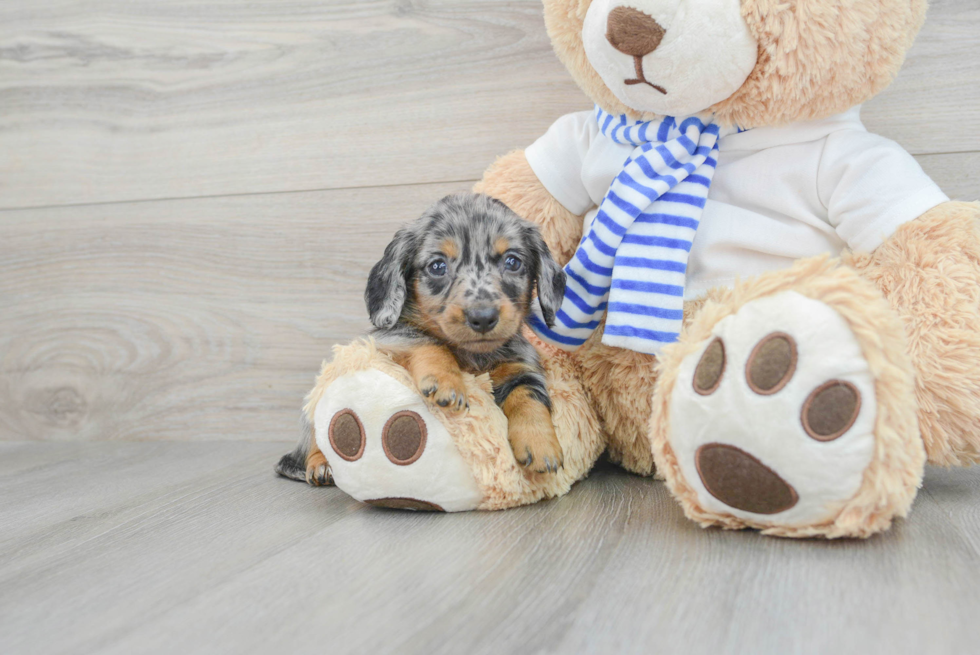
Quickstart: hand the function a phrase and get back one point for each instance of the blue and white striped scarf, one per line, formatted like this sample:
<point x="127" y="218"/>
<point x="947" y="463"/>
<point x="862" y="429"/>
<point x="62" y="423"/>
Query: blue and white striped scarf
<point x="632" y="262"/>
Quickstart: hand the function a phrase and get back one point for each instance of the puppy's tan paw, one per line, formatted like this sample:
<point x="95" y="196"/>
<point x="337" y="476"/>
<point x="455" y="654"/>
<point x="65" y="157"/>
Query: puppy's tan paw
<point x="445" y="389"/>
<point x="535" y="446"/>
<point x="317" y="470"/>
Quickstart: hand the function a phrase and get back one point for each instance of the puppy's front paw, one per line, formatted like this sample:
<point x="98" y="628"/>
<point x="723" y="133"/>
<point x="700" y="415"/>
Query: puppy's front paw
<point x="445" y="389"/>
<point x="535" y="446"/>
<point x="317" y="470"/>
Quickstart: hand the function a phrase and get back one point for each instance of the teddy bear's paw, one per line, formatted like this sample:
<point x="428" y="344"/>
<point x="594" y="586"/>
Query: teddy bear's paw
<point x="772" y="417"/>
<point x="385" y="447"/>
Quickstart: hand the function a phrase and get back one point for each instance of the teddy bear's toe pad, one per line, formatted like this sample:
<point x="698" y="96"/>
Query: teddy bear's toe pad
<point x="772" y="419"/>
<point x="739" y="480"/>
<point x="405" y="503"/>
<point x="386" y="448"/>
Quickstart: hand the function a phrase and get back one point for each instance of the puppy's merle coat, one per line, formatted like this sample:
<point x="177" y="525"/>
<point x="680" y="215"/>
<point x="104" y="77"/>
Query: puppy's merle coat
<point x="451" y="294"/>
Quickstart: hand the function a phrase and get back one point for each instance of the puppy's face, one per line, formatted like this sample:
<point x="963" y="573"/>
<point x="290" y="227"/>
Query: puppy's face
<point x="469" y="267"/>
<point x="473" y="284"/>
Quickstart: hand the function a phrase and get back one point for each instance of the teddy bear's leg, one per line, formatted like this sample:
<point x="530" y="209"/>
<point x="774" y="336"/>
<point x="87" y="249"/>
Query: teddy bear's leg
<point x="788" y="405"/>
<point x="388" y="445"/>
<point x="620" y="384"/>
<point x="929" y="271"/>
<point x="511" y="180"/>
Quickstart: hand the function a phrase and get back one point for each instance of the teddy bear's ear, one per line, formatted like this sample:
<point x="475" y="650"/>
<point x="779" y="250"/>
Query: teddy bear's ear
<point x="387" y="283"/>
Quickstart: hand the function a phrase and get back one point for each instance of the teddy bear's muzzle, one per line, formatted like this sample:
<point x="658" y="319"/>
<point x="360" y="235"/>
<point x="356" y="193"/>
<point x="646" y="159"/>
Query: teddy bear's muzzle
<point x="636" y="34"/>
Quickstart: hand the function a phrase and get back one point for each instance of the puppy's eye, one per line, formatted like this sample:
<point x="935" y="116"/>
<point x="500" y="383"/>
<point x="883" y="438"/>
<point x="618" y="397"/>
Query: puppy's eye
<point x="436" y="268"/>
<point x="513" y="264"/>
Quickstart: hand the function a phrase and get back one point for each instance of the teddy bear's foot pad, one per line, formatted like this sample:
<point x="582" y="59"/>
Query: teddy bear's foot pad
<point x="405" y="503"/>
<point x="386" y="448"/>
<point x="739" y="480"/>
<point x="772" y="419"/>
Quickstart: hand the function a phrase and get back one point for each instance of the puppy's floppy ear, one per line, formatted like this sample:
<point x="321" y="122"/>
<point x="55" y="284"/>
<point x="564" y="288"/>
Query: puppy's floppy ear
<point x="387" y="283"/>
<point x="550" y="276"/>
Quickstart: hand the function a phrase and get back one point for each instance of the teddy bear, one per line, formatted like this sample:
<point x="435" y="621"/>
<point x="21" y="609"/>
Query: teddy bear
<point x="768" y="307"/>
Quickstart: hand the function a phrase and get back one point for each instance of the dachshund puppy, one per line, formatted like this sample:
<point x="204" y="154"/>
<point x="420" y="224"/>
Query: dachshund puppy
<point x="450" y="295"/>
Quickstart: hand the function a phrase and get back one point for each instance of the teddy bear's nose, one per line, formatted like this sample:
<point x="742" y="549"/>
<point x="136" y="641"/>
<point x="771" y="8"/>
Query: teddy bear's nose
<point x="632" y="32"/>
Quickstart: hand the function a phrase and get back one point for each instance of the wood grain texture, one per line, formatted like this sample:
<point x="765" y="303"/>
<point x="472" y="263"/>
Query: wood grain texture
<point x="197" y="319"/>
<point x="198" y="548"/>
<point x="201" y="319"/>
<point x="109" y="100"/>
<point x="958" y="174"/>
<point x="937" y="86"/>
<point x="129" y="314"/>
<point x="119" y="100"/>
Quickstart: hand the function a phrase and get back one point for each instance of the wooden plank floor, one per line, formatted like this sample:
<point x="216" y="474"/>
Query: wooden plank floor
<point x="198" y="548"/>
<point x="191" y="195"/>
<point x="99" y="99"/>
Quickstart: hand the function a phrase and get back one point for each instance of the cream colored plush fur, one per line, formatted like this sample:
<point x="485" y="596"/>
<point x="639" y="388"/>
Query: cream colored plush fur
<point x="480" y="433"/>
<point x="914" y="303"/>
<point x="816" y="57"/>
<point x="929" y="272"/>
<point x="890" y="482"/>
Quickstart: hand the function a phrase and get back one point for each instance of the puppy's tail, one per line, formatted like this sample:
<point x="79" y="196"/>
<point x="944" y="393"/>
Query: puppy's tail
<point x="293" y="465"/>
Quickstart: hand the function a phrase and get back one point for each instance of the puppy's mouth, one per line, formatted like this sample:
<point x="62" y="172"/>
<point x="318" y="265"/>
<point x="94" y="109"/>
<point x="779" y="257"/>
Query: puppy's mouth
<point x="482" y="345"/>
<point x="460" y="332"/>
<point x="641" y="78"/>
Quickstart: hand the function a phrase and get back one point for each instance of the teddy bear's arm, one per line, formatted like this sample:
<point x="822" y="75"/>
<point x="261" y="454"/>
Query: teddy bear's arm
<point x="511" y="180"/>
<point x="929" y="270"/>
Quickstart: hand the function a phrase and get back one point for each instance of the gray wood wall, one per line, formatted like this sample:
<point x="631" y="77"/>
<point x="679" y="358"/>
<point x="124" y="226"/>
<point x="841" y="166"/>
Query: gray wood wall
<point x="192" y="193"/>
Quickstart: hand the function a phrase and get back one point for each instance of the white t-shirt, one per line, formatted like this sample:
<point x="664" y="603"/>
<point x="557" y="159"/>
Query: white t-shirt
<point x="779" y="193"/>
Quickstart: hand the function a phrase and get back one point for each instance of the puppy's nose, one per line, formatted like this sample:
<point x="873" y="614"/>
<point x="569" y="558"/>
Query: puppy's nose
<point x="482" y="319"/>
<point x="632" y="32"/>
